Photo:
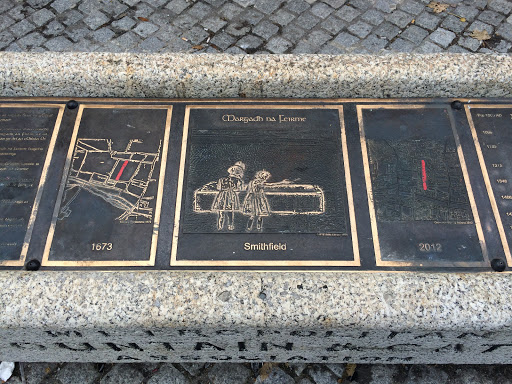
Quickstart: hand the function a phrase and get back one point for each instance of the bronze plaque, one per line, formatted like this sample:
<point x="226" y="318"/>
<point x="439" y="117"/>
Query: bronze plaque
<point x="108" y="207"/>
<point x="27" y="140"/>
<point x="491" y="129"/>
<point x="422" y="207"/>
<point x="264" y="186"/>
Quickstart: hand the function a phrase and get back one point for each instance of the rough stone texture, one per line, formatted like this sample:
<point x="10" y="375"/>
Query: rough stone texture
<point x="200" y="76"/>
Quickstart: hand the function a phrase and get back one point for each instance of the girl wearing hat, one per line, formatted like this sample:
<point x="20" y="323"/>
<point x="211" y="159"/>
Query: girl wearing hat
<point x="227" y="201"/>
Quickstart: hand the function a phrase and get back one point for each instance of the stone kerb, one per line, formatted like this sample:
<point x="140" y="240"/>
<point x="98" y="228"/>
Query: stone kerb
<point x="254" y="316"/>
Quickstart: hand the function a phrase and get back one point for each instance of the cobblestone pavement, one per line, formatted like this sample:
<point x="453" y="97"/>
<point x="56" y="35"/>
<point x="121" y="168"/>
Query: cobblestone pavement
<point x="45" y="373"/>
<point x="255" y="26"/>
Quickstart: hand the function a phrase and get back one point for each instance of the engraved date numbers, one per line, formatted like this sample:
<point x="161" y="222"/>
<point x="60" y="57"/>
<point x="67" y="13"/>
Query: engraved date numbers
<point x="102" y="246"/>
<point x="430" y="247"/>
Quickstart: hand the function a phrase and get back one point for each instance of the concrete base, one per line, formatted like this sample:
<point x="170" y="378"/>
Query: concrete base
<point x="203" y="316"/>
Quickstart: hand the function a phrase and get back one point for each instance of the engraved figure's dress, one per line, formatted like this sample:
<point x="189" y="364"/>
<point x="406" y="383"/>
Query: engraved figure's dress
<point x="227" y="199"/>
<point x="255" y="202"/>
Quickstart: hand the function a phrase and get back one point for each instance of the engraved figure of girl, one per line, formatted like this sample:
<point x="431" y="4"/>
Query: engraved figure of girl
<point x="227" y="200"/>
<point x="256" y="204"/>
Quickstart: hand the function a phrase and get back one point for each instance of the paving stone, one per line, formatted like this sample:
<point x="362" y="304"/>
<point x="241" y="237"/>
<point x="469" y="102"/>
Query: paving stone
<point x="412" y="7"/>
<point x="146" y="29"/>
<point x="506" y="31"/>
<point x="307" y="20"/>
<point x="414" y="33"/>
<point x="478" y="25"/>
<point x="401" y="45"/>
<point x="78" y="373"/>
<point x="509" y="20"/>
<point x="122" y="374"/>
<point x="229" y="374"/>
<point x="373" y="16"/>
<point x="41" y="17"/>
<point x="245" y="3"/>
<point x="185" y="21"/>
<point x="127" y="41"/>
<point x="70" y="17"/>
<point x="238" y="29"/>
<point x="34" y="39"/>
<point x="469" y="43"/>
<point x="386" y="6"/>
<point x="278" y="44"/>
<point x="102" y="35"/>
<point x="20" y="12"/>
<point x="347" y="13"/>
<point x="216" y="3"/>
<point x="144" y="10"/>
<point x="399" y="18"/>
<point x="22" y="28"/>
<point x="235" y="51"/>
<point x="96" y="19"/>
<point x="36" y="372"/>
<point x="502" y="6"/>
<point x="267" y="6"/>
<point x="156" y="3"/>
<point x="154" y="44"/>
<point x="282" y="17"/>
<point x="297" y="6"/>
<point x="124" y="24"/>
<point x="337" y="368"/>
<point x="332" y="49"/>
<point x="491" y="17"/>
<point x="178" y="6"/>
<point x="360" y="29"/>
<point x="222" y="40"/>
<point x="503" y="46"/>
<point x="428" y="47"/>
<point x="5" y="21"/>
<point x="6" y="38"/>
<point x="293" y="33"/>
<point x="265" y="29"/>
<point x="63" y="5"/>
<point x="213" y="23"/>
<point x="479" y="4"/>
<point x="14" y="47"/>
<point x="333" y="25"/>
<point x="6" y="5"/>
<point x="167" y="374"/>
<point x="428" y="21"/>
<point x="453" y="24"/>
<point x="230" y="11"/>
<point x="457" y="49"/>
<point x="335" y="3"/>
<point x="251" y="16"/>
<point x="163" y="17"/>
<point x="111" y="7"/>
<point x="321" y="10"/>
<point x="442" y="37"/>
<point x="298" y="368"/>
<point x="344" y="40"/>
<point x="318" y="38"/>
<point x="321" y="375"/>
<point x="196" y="368"/>
<point x="59" y="44"/>
<point x="466" y="11"/>
<point x="195" y="35"/>
<point x="387" y="30"/>
<point x="374" y="44"/>
<point x="304" y="381"/>
<point x="362" y="5"/>
<point x="249" y="43"/>
<point x="200" y="10"/>
<point x="276" y="376"/>
<point x="131" y="3"/>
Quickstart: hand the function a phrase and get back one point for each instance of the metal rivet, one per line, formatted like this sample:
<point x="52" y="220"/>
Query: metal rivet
<point x="498" y="265"/>
<point x="72" y="104"/>
<point x="33" y="265"/>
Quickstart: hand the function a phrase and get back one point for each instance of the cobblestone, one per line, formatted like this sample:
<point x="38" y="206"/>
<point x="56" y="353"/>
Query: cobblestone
<point x="253" y="26"/>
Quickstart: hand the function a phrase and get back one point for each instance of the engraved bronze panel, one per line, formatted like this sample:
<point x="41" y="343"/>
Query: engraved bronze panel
<point x="262" y="185"/>
<point x="27" y="140"/>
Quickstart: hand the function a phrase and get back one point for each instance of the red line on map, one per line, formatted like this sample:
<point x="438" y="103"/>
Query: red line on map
<point x="424" y="175"/>
<point x="122" y="170"/>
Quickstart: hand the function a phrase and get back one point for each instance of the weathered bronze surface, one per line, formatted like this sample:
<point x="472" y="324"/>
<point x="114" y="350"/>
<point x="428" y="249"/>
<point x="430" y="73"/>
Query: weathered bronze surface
<point x="359" y="185"/>
<point x="27" y="140"/>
